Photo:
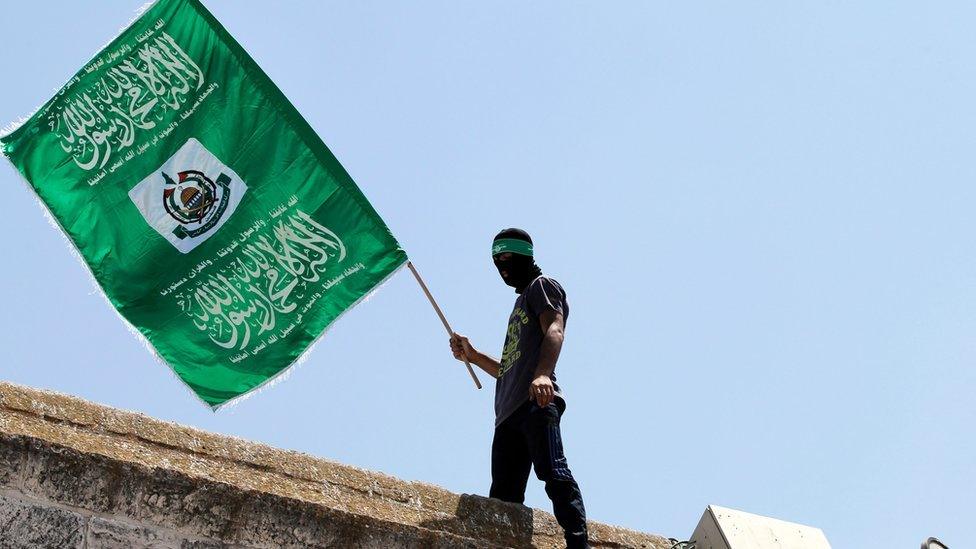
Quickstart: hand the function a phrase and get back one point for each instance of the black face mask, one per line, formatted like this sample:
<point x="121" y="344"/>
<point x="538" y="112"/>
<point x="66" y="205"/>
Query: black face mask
<point x="521" y="269"/>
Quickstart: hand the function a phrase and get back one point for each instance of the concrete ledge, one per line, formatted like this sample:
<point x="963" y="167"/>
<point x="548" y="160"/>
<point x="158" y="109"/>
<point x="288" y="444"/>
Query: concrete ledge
<point x="76" y="474"/>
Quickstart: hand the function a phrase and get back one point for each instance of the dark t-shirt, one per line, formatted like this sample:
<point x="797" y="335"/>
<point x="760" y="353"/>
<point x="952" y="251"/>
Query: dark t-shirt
<point x="523" y="343"/>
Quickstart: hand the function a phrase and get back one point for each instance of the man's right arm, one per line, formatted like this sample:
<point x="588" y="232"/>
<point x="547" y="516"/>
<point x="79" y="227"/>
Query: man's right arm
<point x="463" y="349"/>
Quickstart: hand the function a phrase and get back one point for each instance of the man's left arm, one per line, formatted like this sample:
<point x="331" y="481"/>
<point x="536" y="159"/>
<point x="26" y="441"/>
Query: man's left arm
<point x="552" y="325"/>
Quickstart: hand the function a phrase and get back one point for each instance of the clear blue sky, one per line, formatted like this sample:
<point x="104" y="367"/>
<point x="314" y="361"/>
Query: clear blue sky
<point x="762" y="213"/>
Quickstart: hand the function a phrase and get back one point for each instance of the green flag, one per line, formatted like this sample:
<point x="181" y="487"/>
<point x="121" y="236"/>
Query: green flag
<point x="215" y="220"/>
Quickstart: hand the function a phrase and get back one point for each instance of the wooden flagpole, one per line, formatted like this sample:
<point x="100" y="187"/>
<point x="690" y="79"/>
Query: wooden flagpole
<point x="437" y="309"/>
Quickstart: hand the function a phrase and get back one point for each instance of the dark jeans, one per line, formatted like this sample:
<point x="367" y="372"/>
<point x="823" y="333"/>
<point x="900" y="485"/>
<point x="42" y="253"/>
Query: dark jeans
<point x="530" y="437"/>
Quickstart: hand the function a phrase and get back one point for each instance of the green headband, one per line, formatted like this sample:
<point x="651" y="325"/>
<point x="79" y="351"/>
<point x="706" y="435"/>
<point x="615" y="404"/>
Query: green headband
<point x="512" y="245"/>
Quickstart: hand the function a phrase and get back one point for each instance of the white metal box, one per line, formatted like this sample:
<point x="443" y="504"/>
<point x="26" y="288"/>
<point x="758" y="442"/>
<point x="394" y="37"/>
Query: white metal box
<point x="721" y="528"/>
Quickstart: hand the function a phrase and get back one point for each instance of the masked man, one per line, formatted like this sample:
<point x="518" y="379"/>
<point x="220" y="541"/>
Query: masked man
<point x="528" y="403"/>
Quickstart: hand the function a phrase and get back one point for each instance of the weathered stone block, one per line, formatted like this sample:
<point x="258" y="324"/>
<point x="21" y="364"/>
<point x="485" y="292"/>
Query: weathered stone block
<point x="191" y="544"/>
<point x="64" y="475"/>
<point x="25" y="525"/>
<point x="483" y="518"/>
<point x="106" y="534"/>
<point x="13" y="450"/>
<point x="195" y="506"/>
<point x="270" y="522"/>
<point x="110" y="534"/>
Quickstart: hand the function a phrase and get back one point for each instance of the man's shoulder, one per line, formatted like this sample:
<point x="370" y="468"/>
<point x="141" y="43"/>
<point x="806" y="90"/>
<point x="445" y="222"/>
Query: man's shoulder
<point x="546" y="283"/>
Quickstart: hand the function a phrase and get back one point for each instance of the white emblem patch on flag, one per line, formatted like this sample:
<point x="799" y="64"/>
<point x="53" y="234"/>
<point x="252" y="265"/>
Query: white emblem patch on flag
<point x="189" y="197"/>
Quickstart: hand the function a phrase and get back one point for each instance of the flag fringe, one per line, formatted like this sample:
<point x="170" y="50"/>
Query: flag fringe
<point x="283" y="374"/>
<point x="12" y="126"/>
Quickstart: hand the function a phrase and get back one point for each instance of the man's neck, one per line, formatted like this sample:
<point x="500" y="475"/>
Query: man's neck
<point x="527" y="284"/>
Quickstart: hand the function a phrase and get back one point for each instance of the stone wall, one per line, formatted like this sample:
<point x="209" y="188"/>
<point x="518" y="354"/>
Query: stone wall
<point x="79" y="475"/>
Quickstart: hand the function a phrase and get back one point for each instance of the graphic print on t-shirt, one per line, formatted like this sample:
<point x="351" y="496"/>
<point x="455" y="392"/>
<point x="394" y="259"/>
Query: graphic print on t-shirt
<point x="511" y="352"/>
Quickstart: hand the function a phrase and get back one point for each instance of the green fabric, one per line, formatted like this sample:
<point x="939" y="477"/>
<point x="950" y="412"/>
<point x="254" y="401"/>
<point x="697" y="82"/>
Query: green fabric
<point x="512" y="245"/>
<point x="215" y="220"/>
